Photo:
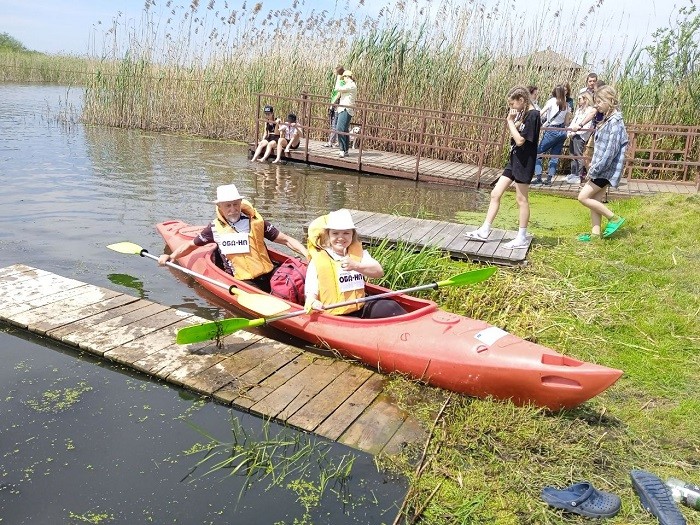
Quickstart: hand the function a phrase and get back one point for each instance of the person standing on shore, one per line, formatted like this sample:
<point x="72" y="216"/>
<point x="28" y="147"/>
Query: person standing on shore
<point x="347" y="89"/>
<point x="610" y="144"/>
<point x="523" y="123"/>
<point x="333" y="109"/>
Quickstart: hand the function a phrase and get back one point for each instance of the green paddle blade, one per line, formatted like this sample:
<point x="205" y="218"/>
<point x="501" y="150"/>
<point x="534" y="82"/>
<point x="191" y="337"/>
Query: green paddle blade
<point x="215" y="329"/>
<point x="471" y="277"/>
<point x="126" y="247"/>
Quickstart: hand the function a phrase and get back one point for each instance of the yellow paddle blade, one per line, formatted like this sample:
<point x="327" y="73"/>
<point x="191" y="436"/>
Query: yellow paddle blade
<point x="265" y="305"/>
<point x="126" y="247"/>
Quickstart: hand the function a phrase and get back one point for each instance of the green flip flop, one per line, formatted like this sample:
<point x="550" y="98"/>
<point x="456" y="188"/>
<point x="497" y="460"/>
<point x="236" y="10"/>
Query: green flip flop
<point x="586" y="237"/>
<point x="613" y="226"/>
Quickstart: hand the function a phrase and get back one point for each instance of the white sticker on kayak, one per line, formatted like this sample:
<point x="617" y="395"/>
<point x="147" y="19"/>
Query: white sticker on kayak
<point x="490" y="335"/>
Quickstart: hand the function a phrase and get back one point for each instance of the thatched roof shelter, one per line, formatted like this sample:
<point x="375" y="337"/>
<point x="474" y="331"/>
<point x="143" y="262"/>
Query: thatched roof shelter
<point x="548" y="60"/>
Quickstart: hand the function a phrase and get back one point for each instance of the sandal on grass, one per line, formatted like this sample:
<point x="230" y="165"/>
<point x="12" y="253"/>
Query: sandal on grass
<point x="584" y="499"/>
<point x="656" y="497"/>
<point x="586" y="237"/>
<point x="613" y="226"/>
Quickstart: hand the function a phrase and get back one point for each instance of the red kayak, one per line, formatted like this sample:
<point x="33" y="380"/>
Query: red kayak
<point x="440" y="348"/>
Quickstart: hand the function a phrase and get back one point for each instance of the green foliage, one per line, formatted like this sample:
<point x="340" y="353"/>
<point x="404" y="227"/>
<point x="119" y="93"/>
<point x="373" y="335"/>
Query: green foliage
<point x="628" y="302"/>
<point x="10" y="43"/>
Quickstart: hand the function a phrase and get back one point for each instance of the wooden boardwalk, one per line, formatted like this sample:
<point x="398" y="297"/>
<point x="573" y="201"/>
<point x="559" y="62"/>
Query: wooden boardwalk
<point x="333" y="398"/>
<point x="373" y="228"/>
<point x="394" y="165"/>
<point x="429" y="170"/>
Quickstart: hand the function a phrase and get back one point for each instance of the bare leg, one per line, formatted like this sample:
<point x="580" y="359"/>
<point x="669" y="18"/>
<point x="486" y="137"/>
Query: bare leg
<point x="268" y="151"/>
<point x="280" y="146"/>
<point x="591" y="196"/>
<point x="501" y="186"/>
<point x="258" y="150"/>
<point x="521" y="197"/>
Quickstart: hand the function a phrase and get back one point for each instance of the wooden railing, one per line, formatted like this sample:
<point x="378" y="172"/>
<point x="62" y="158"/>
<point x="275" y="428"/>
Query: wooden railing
<point x="655" y="152"/>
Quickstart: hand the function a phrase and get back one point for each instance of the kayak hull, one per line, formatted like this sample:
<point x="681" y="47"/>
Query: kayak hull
<point x="440" y="348"/>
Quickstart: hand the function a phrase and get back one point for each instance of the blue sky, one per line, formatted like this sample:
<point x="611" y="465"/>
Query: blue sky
<point x="71" y="26"/>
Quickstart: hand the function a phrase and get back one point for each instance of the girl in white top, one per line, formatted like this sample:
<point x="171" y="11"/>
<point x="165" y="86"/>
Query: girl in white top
<point x="578" y="139"/>
<point x="553" y="114"/>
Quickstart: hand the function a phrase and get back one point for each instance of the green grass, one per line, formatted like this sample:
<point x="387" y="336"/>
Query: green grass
<point x="630" y="302"/>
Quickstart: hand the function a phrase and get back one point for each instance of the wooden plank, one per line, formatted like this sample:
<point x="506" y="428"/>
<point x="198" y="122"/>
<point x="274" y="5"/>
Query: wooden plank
<point x="278" y="356"/>
<point x="409" y="433"/>
<point x="15" y="269"/>
<point x="496" y="236"/>
<point x="235" y="365"/>
<point x="59" y="318"/>
<point x="18" y="289"/>
<point x="134" y="350"/>
<point x="344" y="416"/>
<point x="274" y="381"/>
<point x="313" y="413"/>
<point x="109" y="335"/>
<point x="284" y="401"/>
<point x="380" y="220"/>
<point x="375" y="427"/>
<point x="44" y="300"/>
<point x="112" y="316"/>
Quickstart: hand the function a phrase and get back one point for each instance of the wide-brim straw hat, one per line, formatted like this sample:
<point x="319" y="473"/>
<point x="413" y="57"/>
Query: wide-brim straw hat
<point x="227" y="193"/>
<point x="340" y="220"/>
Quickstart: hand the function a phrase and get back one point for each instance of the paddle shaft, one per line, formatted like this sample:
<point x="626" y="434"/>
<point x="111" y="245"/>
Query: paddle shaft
<point x="360" y="300"/>
<point x="144" y="253"/>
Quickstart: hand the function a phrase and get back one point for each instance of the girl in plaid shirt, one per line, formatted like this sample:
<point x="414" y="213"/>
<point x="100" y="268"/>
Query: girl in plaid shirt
<point x="610" y="144"/>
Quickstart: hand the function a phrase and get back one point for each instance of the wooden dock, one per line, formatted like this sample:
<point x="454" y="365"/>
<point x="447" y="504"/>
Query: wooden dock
<point x="373" y="228"/>
<point x="424" y="169"/>
<point x="330" y="397"/>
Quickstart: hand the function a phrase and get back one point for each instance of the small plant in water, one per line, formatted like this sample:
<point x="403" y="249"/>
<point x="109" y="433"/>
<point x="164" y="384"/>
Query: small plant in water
<point x="284" y="460"/>
<point x="59" y="400"/>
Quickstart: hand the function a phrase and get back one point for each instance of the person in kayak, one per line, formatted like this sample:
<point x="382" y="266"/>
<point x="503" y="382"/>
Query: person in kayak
<point x="240" y="233"/>
<point x="338" y="268"/>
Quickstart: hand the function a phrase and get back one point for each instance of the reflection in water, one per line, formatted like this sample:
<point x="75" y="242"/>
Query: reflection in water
<point x="128" y="281"/>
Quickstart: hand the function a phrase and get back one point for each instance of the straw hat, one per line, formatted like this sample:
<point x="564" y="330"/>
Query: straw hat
<point x="347" y="73"/>
<point x="340" y="220"/>
<point x="227" y="193"/>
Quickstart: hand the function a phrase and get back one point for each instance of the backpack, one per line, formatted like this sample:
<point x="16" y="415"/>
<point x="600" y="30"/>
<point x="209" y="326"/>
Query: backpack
<point x="288" y="281"/>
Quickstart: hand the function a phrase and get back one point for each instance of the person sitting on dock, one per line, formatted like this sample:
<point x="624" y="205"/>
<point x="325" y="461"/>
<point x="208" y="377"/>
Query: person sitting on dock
<point x="240" y="233"/>
<point x="290" y="137"/>
<point x="338" y="268"/>
<point x="270" y="136"/>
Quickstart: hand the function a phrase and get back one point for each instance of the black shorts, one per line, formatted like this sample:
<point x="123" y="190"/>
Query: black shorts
<point x="601" y="182"/>
<point x="521" y="179"/>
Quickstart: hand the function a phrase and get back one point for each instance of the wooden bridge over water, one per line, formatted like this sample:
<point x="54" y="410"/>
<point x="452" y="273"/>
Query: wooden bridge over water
<point x="334" y="398"/>
<point x="452" y="148"/>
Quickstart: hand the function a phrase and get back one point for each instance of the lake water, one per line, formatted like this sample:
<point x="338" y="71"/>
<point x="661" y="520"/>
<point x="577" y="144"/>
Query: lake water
<point x="85" y="439"/>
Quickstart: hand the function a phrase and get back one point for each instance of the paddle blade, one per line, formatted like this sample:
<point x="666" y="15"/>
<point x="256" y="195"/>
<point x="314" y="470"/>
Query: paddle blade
<point x="264" y="305"/>
<point x="472" y="277"/>
<point x="126" y="247"/>
<point x="206" y="331"/>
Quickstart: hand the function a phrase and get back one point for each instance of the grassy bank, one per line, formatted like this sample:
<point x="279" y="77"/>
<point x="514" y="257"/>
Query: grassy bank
<point x="631" y="302"/>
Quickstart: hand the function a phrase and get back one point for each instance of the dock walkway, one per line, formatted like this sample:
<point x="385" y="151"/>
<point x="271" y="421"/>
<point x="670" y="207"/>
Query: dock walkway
<point x="373" y="228"/>
<point x="423" y="169"/>
<point x="333" y="398"/>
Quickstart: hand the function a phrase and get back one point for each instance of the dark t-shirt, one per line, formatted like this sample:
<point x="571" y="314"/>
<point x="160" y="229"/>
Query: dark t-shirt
<point x="522" y="158"/>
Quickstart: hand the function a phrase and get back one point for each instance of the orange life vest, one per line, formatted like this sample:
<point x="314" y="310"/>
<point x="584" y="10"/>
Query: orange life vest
<point x="256" y="261"/>
<point x="331" y="277"/>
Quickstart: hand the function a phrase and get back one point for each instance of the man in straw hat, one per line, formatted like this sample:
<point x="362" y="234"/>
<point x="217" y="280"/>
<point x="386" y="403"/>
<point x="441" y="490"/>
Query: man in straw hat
<point x="240" y="233"/>
<point x="347" y="89"/>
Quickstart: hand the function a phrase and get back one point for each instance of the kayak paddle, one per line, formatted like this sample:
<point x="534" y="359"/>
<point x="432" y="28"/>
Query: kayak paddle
<point x="214" y="329"/>
<point x="262" y="303"/>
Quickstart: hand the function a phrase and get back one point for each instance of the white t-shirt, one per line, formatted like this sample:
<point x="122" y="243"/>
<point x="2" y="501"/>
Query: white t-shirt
<point x="311" y="282"/>
<point x="551" y="114"/>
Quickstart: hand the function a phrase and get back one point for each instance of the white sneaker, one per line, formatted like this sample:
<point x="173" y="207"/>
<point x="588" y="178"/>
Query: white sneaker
<point x="342" y="154"/>
<point x="477" y="235"/>
<point x="516" y="243"/>
<point x="573" y="179"/>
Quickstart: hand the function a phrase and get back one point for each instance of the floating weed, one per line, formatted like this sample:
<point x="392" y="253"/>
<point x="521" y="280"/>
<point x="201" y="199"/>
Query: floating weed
<point x="59" y="400"/>
<point x="91" y="517"/>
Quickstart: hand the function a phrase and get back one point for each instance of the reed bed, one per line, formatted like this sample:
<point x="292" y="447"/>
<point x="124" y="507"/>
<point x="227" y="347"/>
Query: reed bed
<point x="197" y="68"/>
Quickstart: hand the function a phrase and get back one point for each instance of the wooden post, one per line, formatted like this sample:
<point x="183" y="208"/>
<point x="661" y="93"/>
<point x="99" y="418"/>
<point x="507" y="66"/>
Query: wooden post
<point x="421" y="140"/>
